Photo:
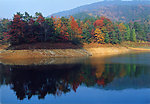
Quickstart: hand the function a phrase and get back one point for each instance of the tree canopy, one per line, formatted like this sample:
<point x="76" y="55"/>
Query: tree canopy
<point x="28" y="29"/>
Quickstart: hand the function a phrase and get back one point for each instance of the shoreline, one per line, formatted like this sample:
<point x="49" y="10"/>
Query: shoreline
<point x="64" y="53"/>
<point x="108" y="51"/>
<point x="42" y="53"/>
<point x="139" y="49"/>
<point x="40" y="56"/>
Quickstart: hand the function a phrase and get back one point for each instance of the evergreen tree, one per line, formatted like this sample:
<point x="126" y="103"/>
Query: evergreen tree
<point x="133" y="35"/>
<point x="120" y="38"/>
<point x="114" y="38"/>
<point x="140" y="31"/>
<point x="127" y="35"/>
<point x="50" y="29"/>
<point x="86" y="36"/>
<point x="107" y="38"/>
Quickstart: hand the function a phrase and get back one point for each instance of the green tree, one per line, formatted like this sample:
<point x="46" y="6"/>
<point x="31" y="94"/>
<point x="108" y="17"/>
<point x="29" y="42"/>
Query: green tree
<point x="107" y="38"/>
<point x="127" y="35"/>
<point x="51" y="36"/>
<point x="139" y="30"/>
<point x="20" y="14"/>
<point x="27" y="17"/>
<point x="117" y="36"/>
<point x="86" y="36"/>
<point x="37" y="14"/>
<point x="114" y="38"/>
<point x="133" y="35"/>
<point x="64" y="21"/>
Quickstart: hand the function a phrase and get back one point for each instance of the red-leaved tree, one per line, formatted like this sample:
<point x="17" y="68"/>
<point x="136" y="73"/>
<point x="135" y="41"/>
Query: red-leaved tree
<point x="16" y="30"/>
<point x="98" y="24"/>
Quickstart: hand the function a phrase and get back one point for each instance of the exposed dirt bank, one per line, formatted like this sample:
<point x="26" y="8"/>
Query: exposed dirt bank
<point x="95" y="50"/>
<point x="42" y="61"/>
<point x="54" y="53"/>
<point x="42" y="53"/>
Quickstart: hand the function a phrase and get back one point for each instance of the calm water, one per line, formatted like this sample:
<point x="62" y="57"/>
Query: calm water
<point x="123" y="79"/>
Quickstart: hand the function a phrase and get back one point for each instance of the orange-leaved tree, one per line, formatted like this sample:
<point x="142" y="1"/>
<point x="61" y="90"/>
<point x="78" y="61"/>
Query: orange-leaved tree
<point x="64" y="33"/>
<point x="99" y="36"/>
<point x="76" y="31"/>
<point x="40" y="19"/>
<point x="98" y="24"/>
<point x="74" y="26"/>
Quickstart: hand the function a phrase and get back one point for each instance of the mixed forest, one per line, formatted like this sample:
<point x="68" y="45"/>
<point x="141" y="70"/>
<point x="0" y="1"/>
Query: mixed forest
<point x="116" y="10"/>
<point x="24" y="28"/>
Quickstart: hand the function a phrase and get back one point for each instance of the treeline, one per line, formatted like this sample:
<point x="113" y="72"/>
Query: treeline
<point x="25" y="28"/>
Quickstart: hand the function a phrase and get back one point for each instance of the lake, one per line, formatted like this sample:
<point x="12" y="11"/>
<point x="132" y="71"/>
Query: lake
<point x="121" y="79"/>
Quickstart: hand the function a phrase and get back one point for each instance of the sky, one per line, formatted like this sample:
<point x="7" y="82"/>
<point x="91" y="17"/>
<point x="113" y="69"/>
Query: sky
<point x="9" y="7"/>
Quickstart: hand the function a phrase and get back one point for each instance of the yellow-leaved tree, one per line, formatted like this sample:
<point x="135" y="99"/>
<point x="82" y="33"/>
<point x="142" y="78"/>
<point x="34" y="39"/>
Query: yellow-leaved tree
<point x="99" y="36"/>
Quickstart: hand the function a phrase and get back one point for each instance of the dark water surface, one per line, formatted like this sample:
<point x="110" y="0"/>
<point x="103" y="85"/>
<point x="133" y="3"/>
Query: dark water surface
<point x="123" y="79"/>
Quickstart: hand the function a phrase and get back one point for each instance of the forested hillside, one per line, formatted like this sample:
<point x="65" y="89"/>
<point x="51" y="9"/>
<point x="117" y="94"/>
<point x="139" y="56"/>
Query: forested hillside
<point x="124" y="11"/>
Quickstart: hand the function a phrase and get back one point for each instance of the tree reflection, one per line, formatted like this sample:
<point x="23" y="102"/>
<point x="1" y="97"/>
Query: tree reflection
<point x="27" y="81"/>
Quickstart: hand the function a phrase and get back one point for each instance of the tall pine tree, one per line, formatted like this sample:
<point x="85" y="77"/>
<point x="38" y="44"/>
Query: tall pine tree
<point x="127" y="35"/>
<point x="107" y="38"/>
<point x="133" y="35"/>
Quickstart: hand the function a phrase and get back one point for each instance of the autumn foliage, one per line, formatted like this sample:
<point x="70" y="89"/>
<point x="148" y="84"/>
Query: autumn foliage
<point x="16" y="30"/>
<point x="75" y="27"/>
<point x="99" y="36"/>
<point x="27" y="29"/>
<point x="98" y="24"/>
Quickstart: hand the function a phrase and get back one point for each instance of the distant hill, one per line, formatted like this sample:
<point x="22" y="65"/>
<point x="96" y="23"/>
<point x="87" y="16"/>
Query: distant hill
<point x="115" y="10"/>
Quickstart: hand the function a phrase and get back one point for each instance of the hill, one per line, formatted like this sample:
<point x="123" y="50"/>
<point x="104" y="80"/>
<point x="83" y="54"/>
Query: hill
<point x="124" y="11"/>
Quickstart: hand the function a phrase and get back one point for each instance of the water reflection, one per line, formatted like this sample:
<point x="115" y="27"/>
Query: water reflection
<point x="42" y="80"/>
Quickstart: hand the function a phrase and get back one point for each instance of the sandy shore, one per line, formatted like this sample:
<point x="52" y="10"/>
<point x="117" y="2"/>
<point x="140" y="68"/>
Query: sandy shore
<point x="139" y="49"/>
<point x="108" y="51"/>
